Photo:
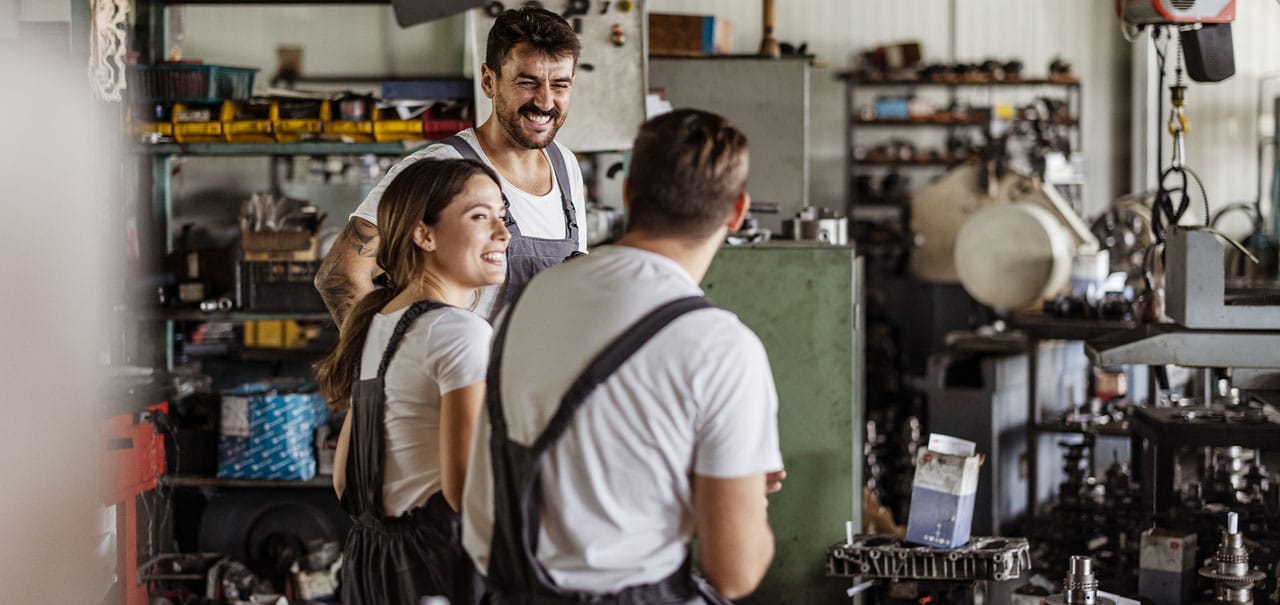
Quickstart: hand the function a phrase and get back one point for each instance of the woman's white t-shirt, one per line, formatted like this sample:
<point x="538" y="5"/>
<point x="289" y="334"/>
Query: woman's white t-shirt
<point x="444" y="350"/>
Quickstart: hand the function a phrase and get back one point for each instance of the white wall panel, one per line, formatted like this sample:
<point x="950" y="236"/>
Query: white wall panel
<point x="8" y="19"/>
<point x="44" y="10"/>
<point x="347" y="40"/>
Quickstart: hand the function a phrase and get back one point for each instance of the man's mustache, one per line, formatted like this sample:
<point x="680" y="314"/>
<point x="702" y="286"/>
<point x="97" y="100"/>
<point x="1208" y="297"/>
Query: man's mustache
<point x="533" y="109"/>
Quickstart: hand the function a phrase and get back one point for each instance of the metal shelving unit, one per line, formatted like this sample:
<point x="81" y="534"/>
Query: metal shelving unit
<point x="1040" y="328"/>
<point x="231" y="316"/>
<point x="180" y="480"/>
<point x="161" y="156"/>
<point x="149" y="169"/>
<point x="276" y="149"/>
<point x="945" y="122"/>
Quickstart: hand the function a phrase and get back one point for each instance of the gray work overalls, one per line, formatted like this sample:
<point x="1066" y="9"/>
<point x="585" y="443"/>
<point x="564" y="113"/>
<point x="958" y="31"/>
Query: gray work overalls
<point x="514" y="575"/>
<point x="396" y="560"/>
<point x="526" y="255"/>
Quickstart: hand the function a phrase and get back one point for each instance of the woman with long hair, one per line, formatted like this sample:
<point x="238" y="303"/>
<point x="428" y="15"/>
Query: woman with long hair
<point x="411" y="364"/>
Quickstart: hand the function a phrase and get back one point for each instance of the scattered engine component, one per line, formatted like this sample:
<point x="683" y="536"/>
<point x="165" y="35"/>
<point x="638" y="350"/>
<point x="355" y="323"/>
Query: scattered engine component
<point x="1113" y="306"/>
<point x="1232" y="578"/>
<point x="1080" y="586"/>
<point x="890" y="557"/>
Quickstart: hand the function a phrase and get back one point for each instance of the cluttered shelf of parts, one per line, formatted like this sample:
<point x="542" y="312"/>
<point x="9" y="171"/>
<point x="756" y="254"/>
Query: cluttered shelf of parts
<point x="258" y="149"/>
<point x="859" y="80"/>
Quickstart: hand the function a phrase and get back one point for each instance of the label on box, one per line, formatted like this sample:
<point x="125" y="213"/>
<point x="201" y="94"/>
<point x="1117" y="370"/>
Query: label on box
<point x="943" y="473"/>
<point x="946" y="444"/>
<point x="1163" y="550"/>
<point x="235" y="416"/>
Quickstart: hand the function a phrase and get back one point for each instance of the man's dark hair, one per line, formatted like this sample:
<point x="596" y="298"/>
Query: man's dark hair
<point x="543" y="30"/>
<point x="688" y="168"/>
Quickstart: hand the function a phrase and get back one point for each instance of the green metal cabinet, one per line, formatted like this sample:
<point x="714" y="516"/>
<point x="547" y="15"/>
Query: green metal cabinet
<point x="805" y="303"/>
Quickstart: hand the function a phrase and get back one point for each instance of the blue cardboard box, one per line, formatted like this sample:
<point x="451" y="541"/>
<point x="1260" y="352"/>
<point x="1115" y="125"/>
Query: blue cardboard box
<point x="267" y="431"/>
<point x="942" y="494"/>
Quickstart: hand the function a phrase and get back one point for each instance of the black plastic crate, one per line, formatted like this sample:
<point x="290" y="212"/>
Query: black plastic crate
<point x="278" y="287"/>
<point x="189" y="83"/>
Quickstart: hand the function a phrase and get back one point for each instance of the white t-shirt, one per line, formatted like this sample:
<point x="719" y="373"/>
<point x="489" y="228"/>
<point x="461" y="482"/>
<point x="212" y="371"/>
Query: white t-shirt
<point x="540" y="216"/>
<point x="698" y="399"/>
<point x="444" y="350"/>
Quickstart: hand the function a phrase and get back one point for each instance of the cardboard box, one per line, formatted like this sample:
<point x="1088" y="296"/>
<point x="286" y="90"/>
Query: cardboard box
<point x="942" y="493"/>
<point x="267" y="430"/>
<point x="1167" y="566"/>
<point x="279" y="245"/>
<point x="274" y="334"/>
<point x="689" y="35"/>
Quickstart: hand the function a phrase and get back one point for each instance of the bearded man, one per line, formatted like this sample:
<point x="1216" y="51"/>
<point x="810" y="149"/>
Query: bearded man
<point x="528" y="73"/>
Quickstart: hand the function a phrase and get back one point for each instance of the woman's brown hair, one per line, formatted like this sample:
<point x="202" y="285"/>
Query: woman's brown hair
<point x="419" y="193"/>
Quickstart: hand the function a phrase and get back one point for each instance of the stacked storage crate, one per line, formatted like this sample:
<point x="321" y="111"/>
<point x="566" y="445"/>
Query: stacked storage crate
<point x="196" y="103"/>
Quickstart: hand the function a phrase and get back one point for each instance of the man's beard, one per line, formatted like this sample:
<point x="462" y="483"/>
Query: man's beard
<point x="513" y="127"/>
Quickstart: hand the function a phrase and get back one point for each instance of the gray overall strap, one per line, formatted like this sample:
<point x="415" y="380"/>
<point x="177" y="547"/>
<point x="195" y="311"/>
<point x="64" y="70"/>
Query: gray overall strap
<point x="461" y="146"/>
<point x="609" y="360"/>
<point x="406" y="321"/>
<point x="566" y="199"/>
<point x="514" y="570"/>
<point x="558" y="167"/>
<point x="367" y="450"/>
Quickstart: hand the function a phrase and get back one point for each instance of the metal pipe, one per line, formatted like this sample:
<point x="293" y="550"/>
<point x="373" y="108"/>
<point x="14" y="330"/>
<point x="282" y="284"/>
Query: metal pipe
<point x="1080" y="587"/>
<point x="1206" y="376"/>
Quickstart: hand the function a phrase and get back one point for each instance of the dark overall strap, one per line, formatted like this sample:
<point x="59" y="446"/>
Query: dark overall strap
<point x="558" y="167"/>
<point x="513" y="567"/>
<point x="406" y="321"/>
<point x="609" y="360"/>
<point x="367" y="446"/>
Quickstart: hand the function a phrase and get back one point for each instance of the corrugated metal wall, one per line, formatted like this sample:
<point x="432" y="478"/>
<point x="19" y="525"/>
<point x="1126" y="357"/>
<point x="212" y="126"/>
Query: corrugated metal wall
<point x="1084" y="33"/>
<point x="338" y="39"/>
<point x="353" y="39"/>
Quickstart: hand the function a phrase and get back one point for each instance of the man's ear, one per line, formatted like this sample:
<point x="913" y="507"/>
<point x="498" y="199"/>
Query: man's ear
<point x="488" y="80"/>
<point x="626" y="194"/>
<point x="740" y="207"/>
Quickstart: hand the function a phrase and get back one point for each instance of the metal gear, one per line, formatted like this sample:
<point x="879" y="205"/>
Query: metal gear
<point x="1232" y="579"/>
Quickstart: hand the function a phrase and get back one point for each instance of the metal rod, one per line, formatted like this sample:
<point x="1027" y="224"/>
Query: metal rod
<point x="1206" y="376"/>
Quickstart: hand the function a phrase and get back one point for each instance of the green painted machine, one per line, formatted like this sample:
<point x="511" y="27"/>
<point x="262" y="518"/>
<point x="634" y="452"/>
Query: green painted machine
<point x="805" y="303"/>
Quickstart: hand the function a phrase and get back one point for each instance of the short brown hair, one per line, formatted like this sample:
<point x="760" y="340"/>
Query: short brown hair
<point x="688" y="168"/>
<point x="543" y="30"/>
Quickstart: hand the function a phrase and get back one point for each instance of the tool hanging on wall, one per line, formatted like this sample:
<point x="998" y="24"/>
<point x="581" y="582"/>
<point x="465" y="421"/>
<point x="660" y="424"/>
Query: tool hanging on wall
<point x="577" y="7"/>
<point x="768" y="43"/>
<point x="1171" y="203"/>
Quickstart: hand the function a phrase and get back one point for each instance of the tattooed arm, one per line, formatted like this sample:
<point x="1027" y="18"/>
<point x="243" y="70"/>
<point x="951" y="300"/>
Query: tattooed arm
<point x="347" y="271"/>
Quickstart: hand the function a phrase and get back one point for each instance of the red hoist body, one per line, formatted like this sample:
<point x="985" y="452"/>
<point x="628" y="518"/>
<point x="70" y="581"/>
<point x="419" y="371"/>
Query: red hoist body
<point x="1164" y="12"/>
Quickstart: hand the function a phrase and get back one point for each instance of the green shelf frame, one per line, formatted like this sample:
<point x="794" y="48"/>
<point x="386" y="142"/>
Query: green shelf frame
<point x="183" y="480"/>
<point x="225" y="316"/>
<point x="270" y="149"/>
